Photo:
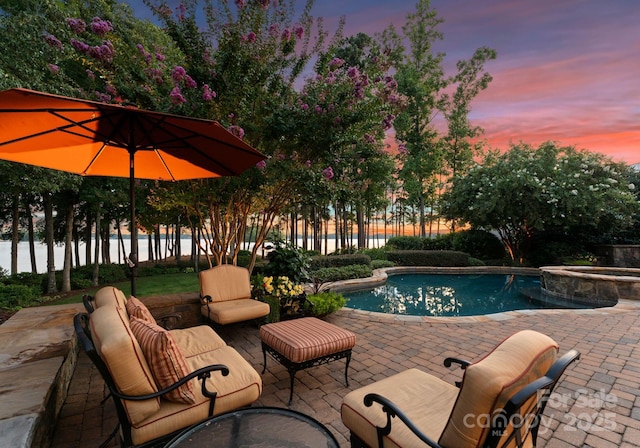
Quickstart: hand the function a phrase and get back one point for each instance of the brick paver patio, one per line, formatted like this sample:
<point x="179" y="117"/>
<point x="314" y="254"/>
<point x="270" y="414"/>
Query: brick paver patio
<point x="597" y="402"/>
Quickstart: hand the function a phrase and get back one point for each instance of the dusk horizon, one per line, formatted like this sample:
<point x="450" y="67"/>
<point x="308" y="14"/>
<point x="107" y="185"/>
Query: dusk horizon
<point x="565" y="72"/>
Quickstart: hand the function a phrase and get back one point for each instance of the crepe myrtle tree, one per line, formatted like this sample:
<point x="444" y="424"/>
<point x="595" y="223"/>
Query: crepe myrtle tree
<point x="249" y="54"/>
<point x="529" y="190"/>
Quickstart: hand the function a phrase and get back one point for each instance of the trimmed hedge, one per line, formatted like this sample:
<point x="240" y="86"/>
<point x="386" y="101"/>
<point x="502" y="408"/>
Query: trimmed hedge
<point x="439" y="258"/>
<point x="324" y="275"/>
<point x="335" y="261"/>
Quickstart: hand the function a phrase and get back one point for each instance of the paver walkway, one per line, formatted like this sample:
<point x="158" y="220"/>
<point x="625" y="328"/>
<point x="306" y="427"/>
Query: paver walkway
<point x="597" y="403"/>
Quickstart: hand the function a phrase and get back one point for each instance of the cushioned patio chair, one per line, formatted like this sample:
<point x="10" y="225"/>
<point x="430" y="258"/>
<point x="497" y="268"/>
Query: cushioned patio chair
<point x="498" y="403"/>
<point x="225" y="292"/>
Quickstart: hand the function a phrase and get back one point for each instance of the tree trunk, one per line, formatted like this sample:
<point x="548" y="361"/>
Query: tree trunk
<point x="96" y="258"/>
<point x="15" y="233"/>
<point x="88" y="237"/>
<point x="362" y="228"/>
<point x="51" y="264"/>
<point x="31" y="237"/>
<point x="68" y="241"/>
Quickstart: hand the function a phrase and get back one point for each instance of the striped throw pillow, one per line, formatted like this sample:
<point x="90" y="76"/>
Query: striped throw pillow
<point x="135" y="308"/>
<point x="165" y="359"/>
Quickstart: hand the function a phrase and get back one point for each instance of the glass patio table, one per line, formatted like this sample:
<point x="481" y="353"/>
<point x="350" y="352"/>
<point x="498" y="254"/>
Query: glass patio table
<point x="257" y="427"/>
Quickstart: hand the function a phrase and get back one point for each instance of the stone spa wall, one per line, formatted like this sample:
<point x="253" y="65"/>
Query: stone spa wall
<point x="592" y="286"/>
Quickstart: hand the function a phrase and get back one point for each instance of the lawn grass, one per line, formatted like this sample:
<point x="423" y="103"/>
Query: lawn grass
<point x="145" y="286"/>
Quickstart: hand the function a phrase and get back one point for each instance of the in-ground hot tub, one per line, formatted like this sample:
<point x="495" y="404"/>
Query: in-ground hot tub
<point x="593" y="286"/>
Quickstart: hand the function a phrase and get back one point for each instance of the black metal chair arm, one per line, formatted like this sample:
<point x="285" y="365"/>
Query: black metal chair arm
<point x="202" y="374"/>
<point x="206" y="298"/>
<point x="463" y="363"/>
<point x="389" y="408"/>
<point x="546" y="382"/>
<point x="87" y="302"/>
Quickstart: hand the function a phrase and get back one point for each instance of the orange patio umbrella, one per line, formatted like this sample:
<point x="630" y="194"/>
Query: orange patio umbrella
<point x="98" y="139"/>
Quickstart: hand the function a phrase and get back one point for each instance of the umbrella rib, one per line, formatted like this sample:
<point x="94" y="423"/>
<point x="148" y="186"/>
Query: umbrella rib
<point x="166" y="167"/>
<point x="93" y="159"/>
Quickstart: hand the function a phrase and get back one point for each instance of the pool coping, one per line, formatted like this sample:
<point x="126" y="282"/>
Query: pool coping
<point x="380" y="276"/>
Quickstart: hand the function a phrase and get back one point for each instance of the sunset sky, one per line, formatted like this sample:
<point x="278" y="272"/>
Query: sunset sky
<point x="567" y="71"/>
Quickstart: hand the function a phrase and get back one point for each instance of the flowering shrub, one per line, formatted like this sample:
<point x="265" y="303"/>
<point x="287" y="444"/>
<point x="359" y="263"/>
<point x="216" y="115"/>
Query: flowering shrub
<point x="281" y="287"/>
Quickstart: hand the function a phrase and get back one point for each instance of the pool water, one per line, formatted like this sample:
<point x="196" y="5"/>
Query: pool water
<point x="448" y="295"/>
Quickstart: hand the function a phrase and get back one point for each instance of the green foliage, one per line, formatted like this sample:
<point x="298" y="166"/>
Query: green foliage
<point x="14" y="297"/>
<point x="325" y="275"/>
<point x="274" y="308"/>
<point x="526" y="191"/>
<point x="378" y="264"/>
<point x="289" y="261"/>
<point x="405" y="243"/>
<point x="428" y="258"/>
<point x="477" y="243"/>
<point x="326" y="302"/>
<point x="321" y="261"/>
<point x="376" y="253"/>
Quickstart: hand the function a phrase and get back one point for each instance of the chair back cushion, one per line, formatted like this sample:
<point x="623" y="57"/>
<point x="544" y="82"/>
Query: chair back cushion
<point x="225" y="282"/>
<point x="109" y="295"/>
<point x="488" y="384"/>
<point x="135" y="308"/>
<point x="125" y="360"/>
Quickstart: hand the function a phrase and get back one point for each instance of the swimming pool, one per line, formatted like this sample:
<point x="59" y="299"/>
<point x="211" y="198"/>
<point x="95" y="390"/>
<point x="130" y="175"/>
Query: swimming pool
<point x="448" y="294"/>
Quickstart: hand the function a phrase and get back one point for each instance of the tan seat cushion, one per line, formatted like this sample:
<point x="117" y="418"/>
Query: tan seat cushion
<point x="125" y="360"/>
<point x="138" y="309"/>
<point x="240" y="388"/>
<point x="308" y="338"/>
<point x="197" y="340"/>
<point x="489" y="383"/>
<point x="225" y="282"/>
<point x="425" y="399"/>
<point x="109" y="295"/>
<point x="168" y="364"/>
<point x="232" y="311"/>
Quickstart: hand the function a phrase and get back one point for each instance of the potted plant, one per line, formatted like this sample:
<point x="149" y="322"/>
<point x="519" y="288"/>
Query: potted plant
<point x="286" y="298"/>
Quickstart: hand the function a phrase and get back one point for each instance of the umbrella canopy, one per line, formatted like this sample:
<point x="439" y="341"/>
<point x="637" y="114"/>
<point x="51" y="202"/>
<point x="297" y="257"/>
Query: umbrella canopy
<point x="98" y="139"/>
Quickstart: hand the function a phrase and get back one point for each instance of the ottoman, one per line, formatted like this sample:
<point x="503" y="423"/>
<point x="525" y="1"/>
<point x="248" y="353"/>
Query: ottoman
<point x="306" y="342"/>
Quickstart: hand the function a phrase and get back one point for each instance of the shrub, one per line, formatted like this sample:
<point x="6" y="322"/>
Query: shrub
<point x="338" y="261"/>
<point x="377" y="264"/>
<point x="479" y="244"/>
<point x="429" y="258"/>
<point x="326" y="302"/>
<point x="405" y="243"/>
<point x="289" y="261"/>
<point x="378" y="253"/>
<point x="325" y="275"/>
<point x="15" y="297"/>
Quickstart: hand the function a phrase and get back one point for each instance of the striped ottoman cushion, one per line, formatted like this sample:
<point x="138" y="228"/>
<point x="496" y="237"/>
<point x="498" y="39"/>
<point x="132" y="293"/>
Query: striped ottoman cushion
<point x="301" y="340"/>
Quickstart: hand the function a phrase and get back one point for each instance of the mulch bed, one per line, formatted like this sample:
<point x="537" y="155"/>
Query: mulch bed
<point x="5" y="315"/>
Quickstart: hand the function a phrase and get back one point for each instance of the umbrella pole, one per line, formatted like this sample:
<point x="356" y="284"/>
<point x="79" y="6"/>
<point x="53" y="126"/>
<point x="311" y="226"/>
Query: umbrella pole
<point x="133" y="256"/>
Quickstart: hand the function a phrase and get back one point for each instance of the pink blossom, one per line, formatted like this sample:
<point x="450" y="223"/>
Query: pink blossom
<point x="53" y="68"/>
<point x="402" y="149"/>
<point x="274" y="30"/>
<point x="387" y="122"/>
<point x="102" y="97"/>
<point x="178" y="73"/>
<point x="155" y="75"/>
<point x="176" y="96"/>
<point x="237" y="131"/>
<point x="110" y="89"/>
<point x="182" y="11"/>
<point x="102" y="52"/>
<point x="78" y="26"/>
<point x="207" y="93"/>
<point x="80" y="46"/>
<point x="90" y="74"/>
<point x="286" y="35"/>
<point x="264" y="4"/>
<point x="328" y="173"/>
<point x="189" y="82"/>
<point x="100" y="27"/>
<point x="318" y="109"/>
<point x="261" y="165"/>
<point x="241" y="4"/>
<point x="298" y="31"/>
<point x="250" y="37"/>
<point x="145" y="54"/>
<point x="336" y="63"/>
<point x="353" y="72"/>
<point x="52" y="41"/>
<point x="308" y="163"/>
<point x="160" y="57"/>
<point x="368" y="138"/>
<point x="305" y="106"/>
